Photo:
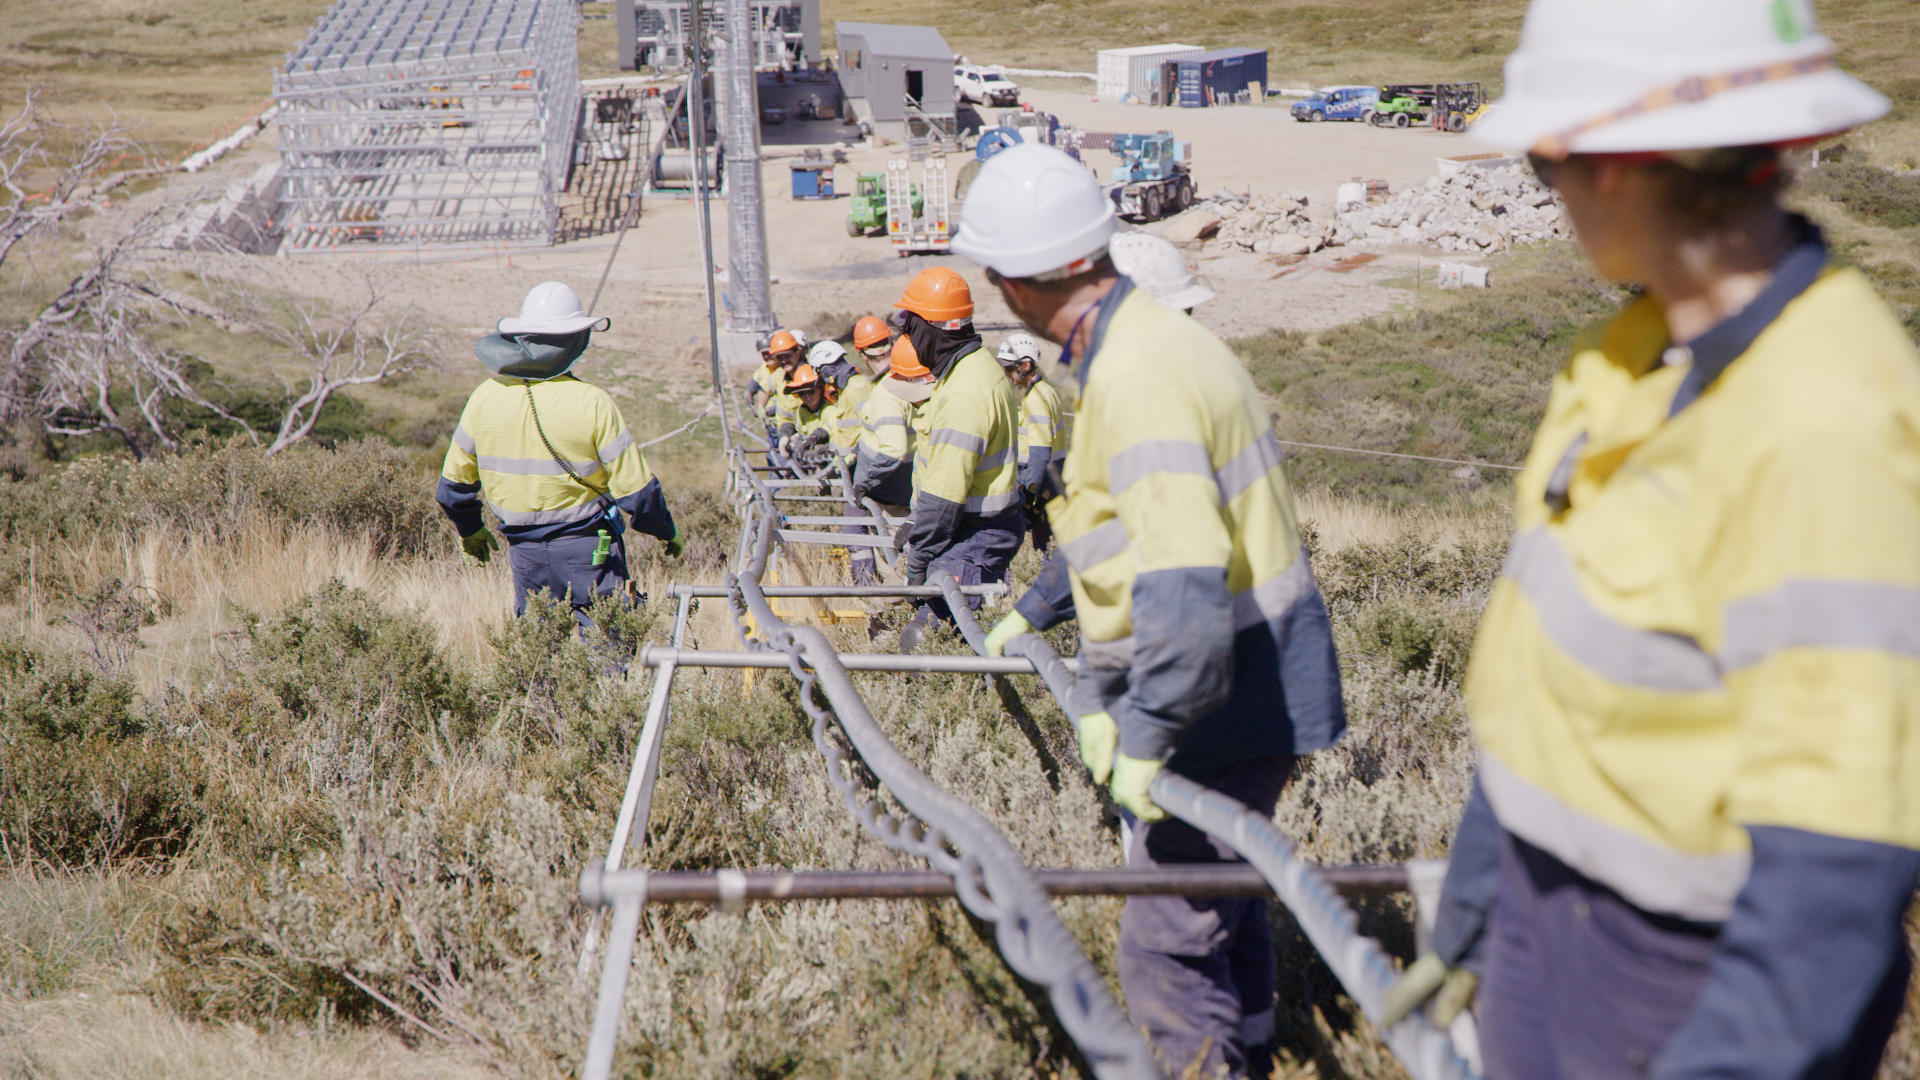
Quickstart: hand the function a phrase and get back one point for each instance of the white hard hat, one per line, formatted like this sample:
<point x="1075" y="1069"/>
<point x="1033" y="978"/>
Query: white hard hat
<point x="1033" y="210"/>
<point x="551" y="308"/>
<point x="1157" y="266"/>
<point x="1652" y="75"/>
<point x="825" y="352"/>
<point x="1018" y="347"/>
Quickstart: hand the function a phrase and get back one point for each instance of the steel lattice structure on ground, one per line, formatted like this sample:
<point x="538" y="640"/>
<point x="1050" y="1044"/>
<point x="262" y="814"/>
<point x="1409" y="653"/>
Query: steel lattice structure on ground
<point x="429" y="121"/>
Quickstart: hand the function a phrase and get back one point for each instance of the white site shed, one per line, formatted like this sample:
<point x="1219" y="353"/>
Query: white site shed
<point x="1136" y="71"/>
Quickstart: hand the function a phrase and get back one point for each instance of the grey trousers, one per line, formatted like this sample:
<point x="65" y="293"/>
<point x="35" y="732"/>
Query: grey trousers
<point x="1199" y="974"/>
<point x="564" y="569"/>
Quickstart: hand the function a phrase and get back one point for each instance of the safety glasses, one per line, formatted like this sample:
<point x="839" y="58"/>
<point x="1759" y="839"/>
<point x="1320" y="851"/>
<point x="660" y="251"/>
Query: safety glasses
<point x="1543" y="167"/>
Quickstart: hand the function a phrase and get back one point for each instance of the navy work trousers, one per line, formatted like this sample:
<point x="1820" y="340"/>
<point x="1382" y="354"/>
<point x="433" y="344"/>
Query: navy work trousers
<point x="1582" y="985"/>
<point x="980" y="554"/>
<point x="1199" y="974"/>
<point x="563" y="567"/>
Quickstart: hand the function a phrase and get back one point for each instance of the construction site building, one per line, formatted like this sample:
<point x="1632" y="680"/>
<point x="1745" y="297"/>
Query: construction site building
<point x="897" y="78"/>
<point x="1137" y="71"/>
<point x="429" y="122"/>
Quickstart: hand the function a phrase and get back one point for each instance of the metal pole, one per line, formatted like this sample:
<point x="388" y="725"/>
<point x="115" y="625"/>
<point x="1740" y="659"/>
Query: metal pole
<point x="697" y="142"/>
<point x="613" y="987"/>
<point x="752" y="307"/>
<point x="779" y="592"/>
<point x="777" y="661"/>
<point x="726" y="886"/>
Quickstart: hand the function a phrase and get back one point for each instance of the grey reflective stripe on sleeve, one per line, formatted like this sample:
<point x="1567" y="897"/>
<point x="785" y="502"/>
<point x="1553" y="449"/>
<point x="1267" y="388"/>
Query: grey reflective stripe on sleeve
<point x="1156" y="455"/>
<point x="1822" y="615"/>
<point x="462" y="439"/>
<point x="1650" y="875"/>
<point x="1103" y="542"/>
<point x="620" y="445"/>
<point x="535" y="466"/>
<point x="885" y="421"/>
<point x="1648" y="659"/>
<point x="847" y="422"/>
<point x="990" y="462"/>
<point x="1269" y="600"/>
<point x="547" y="517"/>
<point x="947" y="436"/>
<point x="1250" y="466"/>
<point x="1038" y="418"/>
<point x="993" y="504"/>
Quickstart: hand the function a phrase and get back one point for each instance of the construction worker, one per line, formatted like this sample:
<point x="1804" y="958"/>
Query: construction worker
<point x="847" y="390"/>
<point x="1154" y="264"/>
<point x="767" y="380"/>
<point x="966" y="506"/>
<point x="1695" y="689"/>
<point x="1204" y="638"/>
<point x="557" y="465"/>
<point x="873" y="339"/>
<point x="785" y="350"/>
<point x="892" y="427"/>
<point x="1043" y="431"/>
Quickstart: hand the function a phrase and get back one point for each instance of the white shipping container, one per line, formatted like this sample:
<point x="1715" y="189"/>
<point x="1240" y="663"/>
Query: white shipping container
<point x="1136" y="71"/>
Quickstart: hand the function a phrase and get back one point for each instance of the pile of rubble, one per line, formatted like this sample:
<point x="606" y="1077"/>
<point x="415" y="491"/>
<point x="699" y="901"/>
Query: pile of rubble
<point x="1473" y="210"/>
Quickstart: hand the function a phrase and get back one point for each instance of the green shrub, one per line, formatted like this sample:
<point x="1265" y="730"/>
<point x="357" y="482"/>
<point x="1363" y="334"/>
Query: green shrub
<point x="1877" y="195"/>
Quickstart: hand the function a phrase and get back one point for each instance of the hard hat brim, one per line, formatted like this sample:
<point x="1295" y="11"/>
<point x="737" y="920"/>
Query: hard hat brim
<point x="1789" y="110"/>
<point x="1190" y="297"/>
<point x="1041" y="259"/>
<point x="569" y="324"/>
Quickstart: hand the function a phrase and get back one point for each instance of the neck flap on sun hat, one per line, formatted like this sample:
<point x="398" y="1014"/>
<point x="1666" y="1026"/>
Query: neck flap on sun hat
<point x="533" y="357"/>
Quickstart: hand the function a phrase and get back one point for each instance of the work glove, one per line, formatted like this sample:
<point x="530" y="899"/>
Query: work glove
<point x="816" y="437"/>
<point x="1130" y="779"/>
<point x="1099" y="738"/>
<point x="1430" y="979"/>
<point x="916" y="575"/>
<point x="1006" y="630"/>
<point x="673" y="547"/>
<point x="479" y="543"/>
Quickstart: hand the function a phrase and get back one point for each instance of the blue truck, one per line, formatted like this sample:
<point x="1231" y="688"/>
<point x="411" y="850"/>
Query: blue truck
<point x="1337" y="103"/>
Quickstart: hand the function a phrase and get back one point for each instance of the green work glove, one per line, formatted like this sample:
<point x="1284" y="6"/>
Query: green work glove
<point x="673" y="546"/>
<point x="1099" y="738"/>
<point x="1006" y="630"/>
<point x="1130" y="779"/>
<point x="479" y="543"/>
<point x="1430" y="979"/>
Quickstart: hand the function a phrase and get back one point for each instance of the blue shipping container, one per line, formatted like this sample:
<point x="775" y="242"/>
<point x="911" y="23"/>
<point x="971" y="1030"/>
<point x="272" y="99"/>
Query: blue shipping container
<point x="1219" y="74"/>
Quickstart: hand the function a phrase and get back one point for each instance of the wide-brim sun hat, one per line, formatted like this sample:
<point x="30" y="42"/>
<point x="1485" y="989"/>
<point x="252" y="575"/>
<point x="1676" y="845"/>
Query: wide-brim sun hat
<point x="1656" y="75"/>
<point x="551" y="308"/>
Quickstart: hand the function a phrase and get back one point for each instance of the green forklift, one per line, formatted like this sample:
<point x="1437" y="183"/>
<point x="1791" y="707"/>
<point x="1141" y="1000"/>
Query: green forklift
<point x="868" y="210"/>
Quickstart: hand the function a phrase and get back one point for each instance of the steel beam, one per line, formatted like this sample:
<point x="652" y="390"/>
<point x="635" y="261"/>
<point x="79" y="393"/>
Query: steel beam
<point x="655" y="655"/>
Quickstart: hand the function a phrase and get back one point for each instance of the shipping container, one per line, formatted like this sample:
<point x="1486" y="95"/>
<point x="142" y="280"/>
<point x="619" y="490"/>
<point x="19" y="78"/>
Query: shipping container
<point x="1217" y="77"/>
<point x="1136" y="71"/>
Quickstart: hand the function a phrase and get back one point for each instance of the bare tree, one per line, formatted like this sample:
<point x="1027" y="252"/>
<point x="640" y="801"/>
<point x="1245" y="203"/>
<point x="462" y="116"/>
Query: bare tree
<point x="357" y="348"/>
<point x="24" y="151"/>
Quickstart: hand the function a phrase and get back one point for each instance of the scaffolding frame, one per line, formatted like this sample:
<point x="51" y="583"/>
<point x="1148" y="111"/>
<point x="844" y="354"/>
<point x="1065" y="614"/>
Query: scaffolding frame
<point x="410" y="122"/>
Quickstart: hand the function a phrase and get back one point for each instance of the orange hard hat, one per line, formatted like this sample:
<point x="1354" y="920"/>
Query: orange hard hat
<point x="906" y="360"/>
<point x="803" y="378"/>
<point x="940" y="296"/>
<point x="782" y="342"/>
<point x="871" y="330"/>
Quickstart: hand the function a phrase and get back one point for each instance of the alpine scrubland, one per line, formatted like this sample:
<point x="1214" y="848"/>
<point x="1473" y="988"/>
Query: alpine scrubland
<point x="284" y="792"/>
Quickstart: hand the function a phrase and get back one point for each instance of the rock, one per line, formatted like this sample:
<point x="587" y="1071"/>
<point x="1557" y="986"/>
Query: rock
<point x="1262" y="247"/>
<point x="1195" y="224"/>
<point x="1291" y="244"/>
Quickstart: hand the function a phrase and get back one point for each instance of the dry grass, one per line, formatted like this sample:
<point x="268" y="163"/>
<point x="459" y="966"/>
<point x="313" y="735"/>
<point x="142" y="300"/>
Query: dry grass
<point x="1340" y="521"/>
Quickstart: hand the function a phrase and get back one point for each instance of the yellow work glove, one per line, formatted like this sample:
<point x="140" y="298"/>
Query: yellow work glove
<point x="673" y="546"/>
<point x="1099" y="738"/>
<point x="1006" y="630"/>
<point x="480" y="544"/>
<point x="1130" y="779"/>
<point x="1430" y="979"/>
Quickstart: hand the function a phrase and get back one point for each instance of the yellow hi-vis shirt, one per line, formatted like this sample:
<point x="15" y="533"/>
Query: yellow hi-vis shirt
<point x="497" y="447"/>
<point x="1715" y="621"/>
<point x="1043" y="428"/>
<point x="853" y="395"/>
<point x="1199" y="614"/>
<point x="968" y="465"/>
<point x="890" y="433"/>
<point x="771" y="379"/>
